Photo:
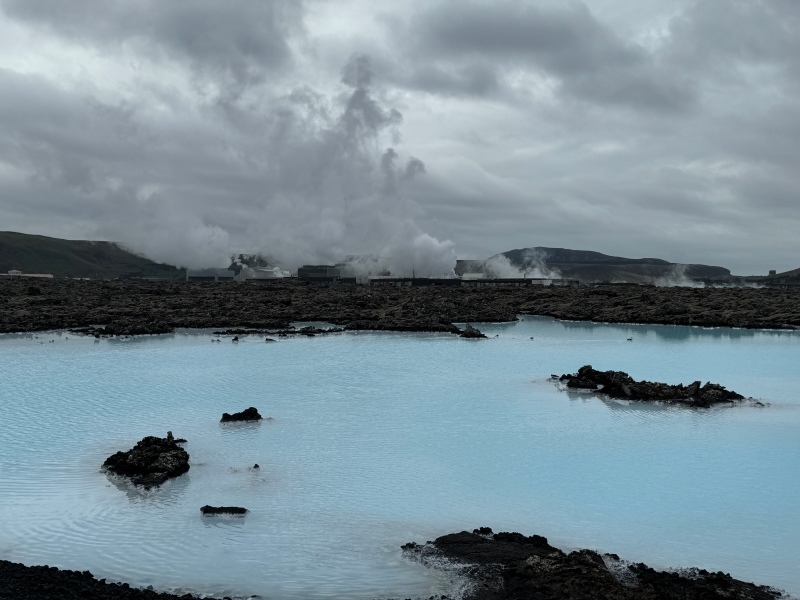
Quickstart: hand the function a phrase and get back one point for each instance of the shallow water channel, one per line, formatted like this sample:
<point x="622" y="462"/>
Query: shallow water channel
<point x="383" y="438"/>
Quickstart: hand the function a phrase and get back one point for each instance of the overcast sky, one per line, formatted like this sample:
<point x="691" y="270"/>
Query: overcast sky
<point x="313" y="129"/>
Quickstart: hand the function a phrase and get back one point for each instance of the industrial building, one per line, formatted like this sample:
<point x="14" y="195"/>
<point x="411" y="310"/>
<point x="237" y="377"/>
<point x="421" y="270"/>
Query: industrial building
<point x="17" y="273"/>
<point x="472" y="283"/>
<point x="318" y="272"/>
<point x="323" y="275"/>
<point x="210" y="275"/>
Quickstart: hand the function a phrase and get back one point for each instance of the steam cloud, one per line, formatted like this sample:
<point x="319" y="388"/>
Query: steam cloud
<point x="534" y="266"/>
<point x="327" y="182"/>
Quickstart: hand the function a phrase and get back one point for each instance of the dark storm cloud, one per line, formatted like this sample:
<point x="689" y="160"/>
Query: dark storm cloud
<point x="241" y="39"/>
<point x="459" y="40"/>
<point x="191" y="129"/>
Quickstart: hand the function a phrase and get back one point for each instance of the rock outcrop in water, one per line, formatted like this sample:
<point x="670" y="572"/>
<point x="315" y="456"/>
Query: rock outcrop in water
<point x="471" y="332"/>
<point x="248" y="414"/>
<point x="151" y="461"/>
<point x="209" y="511"/>
<point x="511" y="566"/>
<point x="620" y="385"/>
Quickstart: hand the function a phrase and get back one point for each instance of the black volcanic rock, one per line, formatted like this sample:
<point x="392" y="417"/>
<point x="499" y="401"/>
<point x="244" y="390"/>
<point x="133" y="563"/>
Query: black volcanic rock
<point x="151" y="461"/>
<point x="158" y="306"/>
<point x="511" y="566"/>
<point x="18" y="582"/>
<point x="222" y="510"/>
<point x="471" y="332"/>
<point x="620" y="385"/>
<point x="248" y="414"/>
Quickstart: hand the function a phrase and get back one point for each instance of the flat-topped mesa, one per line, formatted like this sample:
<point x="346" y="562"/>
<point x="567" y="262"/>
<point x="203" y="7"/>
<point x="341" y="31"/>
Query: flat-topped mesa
<point x="618" y="384"/>
<point x="151" y="461"/>
<point x="249" y="414"/>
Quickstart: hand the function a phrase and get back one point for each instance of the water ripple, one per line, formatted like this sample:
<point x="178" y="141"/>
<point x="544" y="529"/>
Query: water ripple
<point x="381" y="439"/>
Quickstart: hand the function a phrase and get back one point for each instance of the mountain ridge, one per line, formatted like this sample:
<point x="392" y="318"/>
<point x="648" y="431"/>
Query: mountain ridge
<point x="587" y="266"/>
<point x="76" y="258"/>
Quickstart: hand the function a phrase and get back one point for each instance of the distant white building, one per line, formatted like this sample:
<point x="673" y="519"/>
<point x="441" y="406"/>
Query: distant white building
<point x="18" y="273"/>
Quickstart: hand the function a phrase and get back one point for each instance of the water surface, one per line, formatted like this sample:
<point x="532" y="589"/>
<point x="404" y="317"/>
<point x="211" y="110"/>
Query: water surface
<point x="384" y="438"/>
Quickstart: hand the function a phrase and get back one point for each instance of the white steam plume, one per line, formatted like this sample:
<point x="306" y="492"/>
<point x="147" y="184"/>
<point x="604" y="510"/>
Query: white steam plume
<point x="676" y="277"/>
<point x="324" y="180"/>
<point x="534" y="266"/>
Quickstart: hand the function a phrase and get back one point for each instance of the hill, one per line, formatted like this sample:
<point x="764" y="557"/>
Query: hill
<point x="587" y="266"/>
<point x="72" y="258"/>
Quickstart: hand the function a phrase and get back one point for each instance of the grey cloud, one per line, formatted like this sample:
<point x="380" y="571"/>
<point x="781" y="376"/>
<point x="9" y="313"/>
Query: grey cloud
<point x="473" y="79"/>
<point x="454" y="40"/>
<point x="724" y="34"/>
<point x="565" y="41"/>
<point x="307" y="183"/>
<point x="239" y="39"/>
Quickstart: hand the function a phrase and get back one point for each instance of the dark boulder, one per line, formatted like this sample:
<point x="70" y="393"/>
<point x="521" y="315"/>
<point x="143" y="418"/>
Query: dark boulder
<point x="249" y="414"/>
<point x="222" y="510"/>
<point x="150" y="462"/>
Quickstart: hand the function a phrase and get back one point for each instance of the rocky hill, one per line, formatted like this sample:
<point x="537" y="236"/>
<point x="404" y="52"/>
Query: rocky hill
<point x="587" y="266"/>
<point x="73" y="258"/>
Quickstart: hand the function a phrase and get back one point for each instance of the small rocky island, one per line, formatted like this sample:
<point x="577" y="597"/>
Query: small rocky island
<point x="151" y="461"/>
<point x="511" y="566"/>
<point x="620" y="385"/>
<point x="248" y="414"/>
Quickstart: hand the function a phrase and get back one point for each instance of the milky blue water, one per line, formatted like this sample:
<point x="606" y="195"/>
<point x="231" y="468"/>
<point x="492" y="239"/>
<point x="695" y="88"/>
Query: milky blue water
<point x="383" y="438"/>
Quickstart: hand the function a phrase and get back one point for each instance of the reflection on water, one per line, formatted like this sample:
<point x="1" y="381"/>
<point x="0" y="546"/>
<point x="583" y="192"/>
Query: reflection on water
<point x="380" y="439"/>
<point x="675" y="333"/>
<point x="165" y="495"/>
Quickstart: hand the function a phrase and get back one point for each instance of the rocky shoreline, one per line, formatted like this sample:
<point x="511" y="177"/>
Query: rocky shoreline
<point x="498" y="566"/>
<point x="511" y="566"/>
<point x="50" y="583"/>
<point x="141" y="307"/>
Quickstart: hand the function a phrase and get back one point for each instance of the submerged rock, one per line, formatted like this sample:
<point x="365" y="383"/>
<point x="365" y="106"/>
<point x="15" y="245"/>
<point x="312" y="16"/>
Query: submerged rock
<point x="151" y="461"/>
<point x="222" y="510"/>
<point x="515" y="566"/>
<point x="618" y="384"/>
<point x="249" y="414"/>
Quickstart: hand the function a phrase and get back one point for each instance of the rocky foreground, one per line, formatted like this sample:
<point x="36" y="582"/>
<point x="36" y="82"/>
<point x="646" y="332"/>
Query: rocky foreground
<point x="502" y="566"/>
<point x="19" y="582"/>
<point x="511" y="566"/>
<point x="620" y="385"/>
<point x="141" y="307"/>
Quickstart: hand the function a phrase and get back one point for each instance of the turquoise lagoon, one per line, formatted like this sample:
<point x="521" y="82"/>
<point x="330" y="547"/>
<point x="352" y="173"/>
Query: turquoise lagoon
<point x="383" y="438"/>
